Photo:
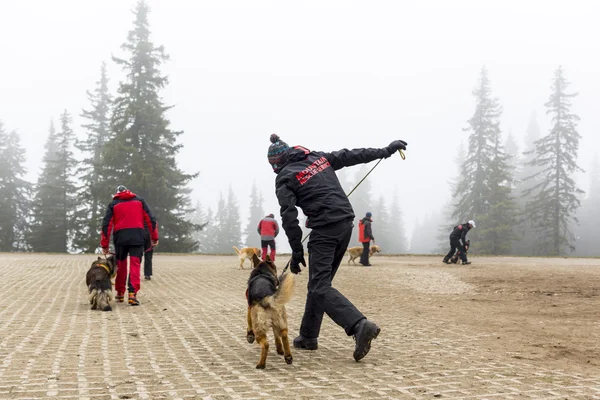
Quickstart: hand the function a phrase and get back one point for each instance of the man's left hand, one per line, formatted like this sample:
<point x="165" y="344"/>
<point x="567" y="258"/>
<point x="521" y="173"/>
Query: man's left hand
<point x="105" y="250"/>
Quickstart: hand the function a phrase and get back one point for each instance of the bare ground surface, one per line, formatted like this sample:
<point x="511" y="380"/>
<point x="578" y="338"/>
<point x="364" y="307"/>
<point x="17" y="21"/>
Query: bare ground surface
<point x="501" y="328"/>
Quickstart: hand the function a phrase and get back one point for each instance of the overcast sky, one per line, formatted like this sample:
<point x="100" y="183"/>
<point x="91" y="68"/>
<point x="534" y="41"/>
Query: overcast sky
<point x="325" y="74"/>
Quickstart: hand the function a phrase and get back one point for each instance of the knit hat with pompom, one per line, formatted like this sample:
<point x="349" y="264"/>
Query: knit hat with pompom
<point x="277" y="151"/>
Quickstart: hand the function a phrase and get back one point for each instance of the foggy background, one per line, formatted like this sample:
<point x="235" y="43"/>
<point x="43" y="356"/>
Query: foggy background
<point x="326" y="75"/>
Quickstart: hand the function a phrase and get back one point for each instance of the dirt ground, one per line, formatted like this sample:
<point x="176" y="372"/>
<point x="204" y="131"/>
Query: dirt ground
<point x="501" y="328"/>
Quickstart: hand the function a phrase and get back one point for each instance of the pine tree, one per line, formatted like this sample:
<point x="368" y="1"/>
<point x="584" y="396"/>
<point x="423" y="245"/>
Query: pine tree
<point x="233" y="220"/>
<point x="555" y="199"/>
<point x="383" y="226"/>
<point x="221" y="241"/>
<point x="589" y="216"/>
<point x="399" y="242"/>
<point x="256" y="214"/>
<point x="14" y="193"/>
<point x="141" y="154"/>
<point x="525" y="235"/>
<point x="55" y="201"/>
<point x="484" y="189"/>
<point x="93" y="194"/>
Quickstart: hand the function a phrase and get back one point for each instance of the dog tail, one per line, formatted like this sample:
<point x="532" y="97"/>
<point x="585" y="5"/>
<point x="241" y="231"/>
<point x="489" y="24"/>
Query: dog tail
<point x="103" y="299"/>
<point x="285" y="291"/>
<point x="237" y="251"/>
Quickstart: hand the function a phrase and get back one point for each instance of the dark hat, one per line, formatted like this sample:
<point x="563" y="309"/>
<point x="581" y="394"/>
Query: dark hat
<point x="369" y="215"/>
<point x="277" y="151"/>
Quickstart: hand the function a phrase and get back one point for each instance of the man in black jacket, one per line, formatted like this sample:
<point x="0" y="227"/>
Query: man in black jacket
<point x="307" y="179"/>
<point x="458" y="239"/>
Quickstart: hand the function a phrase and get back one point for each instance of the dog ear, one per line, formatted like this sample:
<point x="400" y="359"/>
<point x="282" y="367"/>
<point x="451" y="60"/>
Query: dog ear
<point x="99" y="259"/>
<point x="268" y="259"/>
<point x="255" y="260"/>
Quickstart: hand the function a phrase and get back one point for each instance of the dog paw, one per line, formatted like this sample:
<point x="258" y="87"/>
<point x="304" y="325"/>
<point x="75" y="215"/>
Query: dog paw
<point x="280" y="352"/>
<point x="289" y="359"/>
<point x="260" y="366"/>
<point x="250" y="337"/>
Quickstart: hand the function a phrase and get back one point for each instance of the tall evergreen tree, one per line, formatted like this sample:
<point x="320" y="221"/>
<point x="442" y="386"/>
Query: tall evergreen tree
<point x="555" y="199"/>
<point x="93" y="194"/>
<point x="525" y="234"/>
<point x="256" y="214"/>
<point x="141" y="154"/>
<point x="589" y="216"/>
<point x="233" y="223"/>
<point x="382" y="226"/>
<point x="54" y="202"/>
<point x="14" y="193"/>
<point x="484" y="189"/>
<point x="399" y="243"/>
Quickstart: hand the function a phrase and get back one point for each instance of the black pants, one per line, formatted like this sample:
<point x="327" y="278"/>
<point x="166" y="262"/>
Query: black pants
<point x="454" y="245"/>
<point x="364" y="257"/>
<point x="326" y="249"/>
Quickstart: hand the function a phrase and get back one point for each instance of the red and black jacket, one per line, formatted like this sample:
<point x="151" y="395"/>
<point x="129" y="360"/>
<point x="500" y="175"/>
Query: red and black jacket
<point x="307" y="180"/>
<point x="460" y="232"/>
<point x="127" y="216"/>
<point x="365" y="234"/>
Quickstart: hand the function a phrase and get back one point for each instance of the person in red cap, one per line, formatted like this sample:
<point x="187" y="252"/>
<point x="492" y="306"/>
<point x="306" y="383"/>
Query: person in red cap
<point x="126" y="217"/>
<point x="268" y="229"/>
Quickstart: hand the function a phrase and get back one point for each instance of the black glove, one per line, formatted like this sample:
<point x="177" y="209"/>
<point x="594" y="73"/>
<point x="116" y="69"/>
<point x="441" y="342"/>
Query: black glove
<point x="395" y="146"/>
<point x="297" y="260"/>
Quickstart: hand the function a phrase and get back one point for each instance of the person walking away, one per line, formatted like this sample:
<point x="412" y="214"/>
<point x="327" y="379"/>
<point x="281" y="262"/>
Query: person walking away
<point x="148" y="252"/>
<point x="307" y="179"/>
<point x="125" y="218"/>
<point x="268" y="229"/>
<point x="458" y="239"/>
<point x="365" y="235"/>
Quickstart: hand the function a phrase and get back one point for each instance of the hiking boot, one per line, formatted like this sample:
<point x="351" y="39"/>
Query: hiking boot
<point x="364" y="332"/>
<point x="466" y="262"/>
<point x="366" y="265"/>
<point x="446" y="261"/>
<point x="148" y="278"/>
<point x="306" y="343"/>
<point x="133" y="301"/>
<point x="120" y="297"/>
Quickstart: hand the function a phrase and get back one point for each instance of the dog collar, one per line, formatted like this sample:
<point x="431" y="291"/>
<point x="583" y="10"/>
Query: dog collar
<point x="105" y="267"/>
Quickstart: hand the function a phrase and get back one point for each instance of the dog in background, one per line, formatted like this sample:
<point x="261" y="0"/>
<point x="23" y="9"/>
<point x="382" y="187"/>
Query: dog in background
<point x="247" y="253"/>
<point x="456" y="256"/>
<point x="98" y="281"/>
<point x="356" y="251"/>
<point x="267" y="296"/>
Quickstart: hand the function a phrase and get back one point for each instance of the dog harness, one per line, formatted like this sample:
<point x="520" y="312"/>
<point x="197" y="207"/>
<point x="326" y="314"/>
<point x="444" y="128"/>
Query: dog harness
<point x="105" y="266"/>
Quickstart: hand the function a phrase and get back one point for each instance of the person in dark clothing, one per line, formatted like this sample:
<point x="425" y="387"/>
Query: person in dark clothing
<point x="458" y="239"/>
<point x="148" y="253"/>
<point x="268" y="229"/>
<point x="365" y="235"/>
<point x="125" y="218"/>
<point x="307" y="179"/>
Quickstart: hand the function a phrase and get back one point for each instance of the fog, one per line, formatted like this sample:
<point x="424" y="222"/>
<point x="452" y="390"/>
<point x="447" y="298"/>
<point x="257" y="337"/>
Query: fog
<point x="323" y="74"/>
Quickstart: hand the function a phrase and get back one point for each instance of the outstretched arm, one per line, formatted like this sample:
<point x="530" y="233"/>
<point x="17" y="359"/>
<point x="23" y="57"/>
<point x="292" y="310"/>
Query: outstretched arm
<point x="347" y="158"/>
<point x="106" y="222"/>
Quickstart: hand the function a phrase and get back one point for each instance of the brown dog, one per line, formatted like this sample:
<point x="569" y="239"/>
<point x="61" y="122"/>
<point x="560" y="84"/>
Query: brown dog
<point x="98" y="281"/>
<point x="356" y="251"/>
<point x="247" y="253"/>
<point x="267" y="296"/>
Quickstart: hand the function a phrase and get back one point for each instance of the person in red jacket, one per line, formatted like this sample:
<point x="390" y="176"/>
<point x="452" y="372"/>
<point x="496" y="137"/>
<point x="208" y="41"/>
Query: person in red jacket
<point x="365" y="235"/>
<point x="268" y="229"/>
<point x="126" y="217"/>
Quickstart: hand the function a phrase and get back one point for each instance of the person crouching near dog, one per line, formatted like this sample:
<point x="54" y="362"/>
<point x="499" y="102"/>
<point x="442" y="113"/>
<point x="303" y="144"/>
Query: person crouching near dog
<point x="125" y="218"/>
<point x="458" y="239"/>
<point x="365" y="235"/>
<point x="307" y="179"/>
<point x="268" y="229"/>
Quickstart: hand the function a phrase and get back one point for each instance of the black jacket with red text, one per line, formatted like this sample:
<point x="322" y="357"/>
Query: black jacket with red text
<point x="308" y="180"/>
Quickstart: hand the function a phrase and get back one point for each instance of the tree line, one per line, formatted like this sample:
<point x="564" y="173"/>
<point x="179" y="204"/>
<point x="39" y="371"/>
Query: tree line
<point x="524" y="202"/>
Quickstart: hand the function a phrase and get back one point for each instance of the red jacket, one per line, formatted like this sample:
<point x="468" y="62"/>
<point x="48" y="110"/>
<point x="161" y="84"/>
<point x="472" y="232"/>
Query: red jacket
<point x="268" y="228"/>
<point x="365" y="235"/>
<point x="126" y="216"/>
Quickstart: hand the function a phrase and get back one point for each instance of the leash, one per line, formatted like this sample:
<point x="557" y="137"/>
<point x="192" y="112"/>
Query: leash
<point x="402" y="155"/>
